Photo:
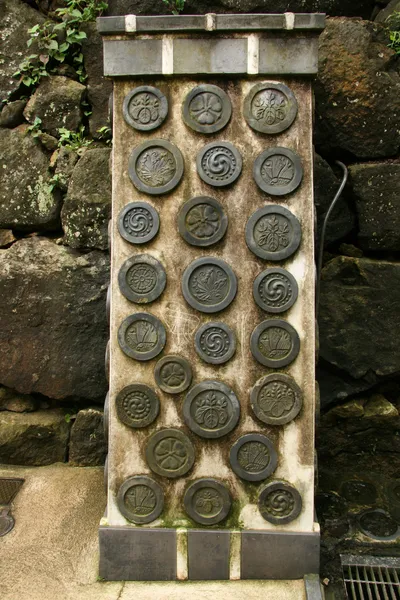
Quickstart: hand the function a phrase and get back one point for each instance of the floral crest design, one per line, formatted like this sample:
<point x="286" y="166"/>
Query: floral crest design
<point x="276" y="399"/>
<point x="275" y="343"/>
<point x="144" y="108"/>
<point x="253" y="457"/>
<point x="141" y="278"/>
<point x="207" y="502"/>
<point x="209" y="285"/>
<point x="140" y="499"/>
<point x="278" y="170"/>
<point x="141" y="336"/>
<point x="270" y="107"/>
<point x="202" y="221"/>
<point x="206" y="108"/>
<point x="156" y="167"/>
<point x="170" y="454"/>
<point x="211" y="410"/>
<point x="172" y="374"/>
<point x="272" y="233"/>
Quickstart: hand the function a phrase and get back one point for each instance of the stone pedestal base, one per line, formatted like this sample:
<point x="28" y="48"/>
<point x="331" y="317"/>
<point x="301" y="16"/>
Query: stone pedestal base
<point x="133" y="554"/>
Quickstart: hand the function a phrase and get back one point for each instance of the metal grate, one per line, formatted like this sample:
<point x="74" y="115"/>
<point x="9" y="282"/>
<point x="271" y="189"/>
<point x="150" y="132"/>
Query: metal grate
<point x="9" y="487"/>
<point x="371" y="577"/>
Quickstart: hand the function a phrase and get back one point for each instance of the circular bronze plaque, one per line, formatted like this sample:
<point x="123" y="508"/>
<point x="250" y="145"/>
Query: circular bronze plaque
<point x="140" y="499"/>
<point x="145" y="108"/>
<point x="270" y="107"/>
<point x="137" y="405"/>
<point x="170" y="453"/>
<point x="274" y="343"/>
<point x="142" y="279"/>
<point x="138" y="222"/>
<point x="273" y="233"/>
<point x="202" y="221"/>
<point x="155" y="167"/>
<point x="275" y="290"/>
<point x="141" y="336"/>
<point x="206" y="109"/>
<point x="207" y="501"/>
<point x="215" y="343"/>
<point x="211" y="409"/>
<point x="278" y="171"/>
<point x="173" y="374"/>
<point x="279" y="503"/>
<point x="209" y="284"/>
<point x="219" y="163"/>
<point x="253" y="457"/>
<point x="276" y="399"/>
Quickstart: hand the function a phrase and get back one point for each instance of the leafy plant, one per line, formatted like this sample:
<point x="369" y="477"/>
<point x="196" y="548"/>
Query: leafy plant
<point x="175" y="6"/>
<point x="59" y="42"/>
<point x="105" y="134"/>
<point x="394" y="31"/>
<point x="35" y="129"/>
<point x="75" y="140"/>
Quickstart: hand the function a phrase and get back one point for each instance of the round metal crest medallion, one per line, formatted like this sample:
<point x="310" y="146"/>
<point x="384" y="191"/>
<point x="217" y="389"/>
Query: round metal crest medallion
<point x="279" y="503"/>
<point x="209" y="284"/>
<point x="211" y="409"/>
<point x="206" y="109"/>
<point x="276" y="399"/>
<point x="275" y="343"/>
<point x="253" y="457"/>
<point x="207" y="501"/>
<point x="141" y="336"/>
<point x="145" y="108"/>
<point x="219" y="163"/>
<point x="142" y="279"/>
<point x="169" y="452"/>
<point x="273" y="233"/>
<point x="173" y="374"/>
<point x="140" y="499"/>
<point x="270" y="107"/>
<point x="275" y="290"/>
<point x="278" y="171"/>
<point x="138" y="222"/>
<point x="156" y="167"/>
<point x="137" y="405"/>
<point x="215" y="343"/>
<point x="202" y="221"/>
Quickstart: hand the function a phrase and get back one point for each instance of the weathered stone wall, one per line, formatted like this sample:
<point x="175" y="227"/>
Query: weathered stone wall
<point x="55" y="206"/>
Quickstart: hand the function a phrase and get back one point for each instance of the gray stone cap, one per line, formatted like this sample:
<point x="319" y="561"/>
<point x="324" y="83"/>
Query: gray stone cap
<point x="132" y="24"/>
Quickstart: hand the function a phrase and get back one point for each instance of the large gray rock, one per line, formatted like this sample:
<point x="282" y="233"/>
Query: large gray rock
<point x="16" y="18"/>
<point x="387" y="12"/>
<point x="53" y="327"/>
<point x="357" y="91"/>
<point x="359" y="316"/>
<point x="57" y="102"/>
<point x="360" y="8"/>
<point x="376" y="189"/>
<point x="12" y="114"/>
<point x="335" y="387"/>
<point x="87" y="446"/>
<point x="87" y="206"/>
<point x="38" y="438"/>
<point x="65" y="161"/>
<point x="326" y="184"/>
<point x="98" y="87"/>
<point x="27" y="200"/>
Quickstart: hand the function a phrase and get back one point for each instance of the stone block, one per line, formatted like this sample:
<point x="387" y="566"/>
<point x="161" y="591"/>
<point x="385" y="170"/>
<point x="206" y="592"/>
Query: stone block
<point x="125" y="57"/>
<point x="208" y="554"/>
<point x="38" y="438"/>
<point x="87" y="447"/>
<point x="53" y="326"/>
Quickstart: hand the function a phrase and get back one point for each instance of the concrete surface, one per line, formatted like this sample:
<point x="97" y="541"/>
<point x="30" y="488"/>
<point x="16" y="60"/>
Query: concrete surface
<point x="51" y="554"/>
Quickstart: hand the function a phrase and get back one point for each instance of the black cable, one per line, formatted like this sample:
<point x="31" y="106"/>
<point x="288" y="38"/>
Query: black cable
<point x="322" y="240"/>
